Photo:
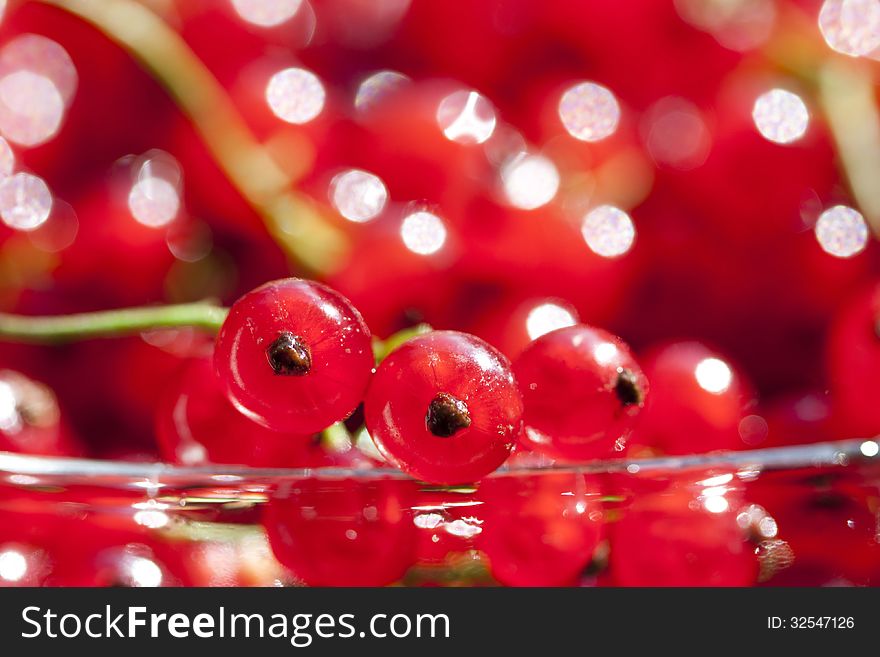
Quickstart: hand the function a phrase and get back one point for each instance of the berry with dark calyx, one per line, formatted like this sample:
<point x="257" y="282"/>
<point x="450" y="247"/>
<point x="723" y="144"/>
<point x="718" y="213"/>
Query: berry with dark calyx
<point x="342" y="533"/>
<point x="294" y="356"/>
<point x="289" y="356"/>
<point x="444" y="407"/>
<point x="582" y="391"/>
<point x="446" y="415"/>
<point x="196" y="424"/>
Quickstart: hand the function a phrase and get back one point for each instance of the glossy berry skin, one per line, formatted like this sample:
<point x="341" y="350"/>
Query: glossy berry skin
<point x="539" y="530"/>
<point x="699" y="399"/>
<point x="444" y="407"/>
<point x="582" y="391"/>
<point x="671" y="538"/>
<point x="294" y="356"/>
<point x="196" y="424"/>
<point x="342" y="533"/>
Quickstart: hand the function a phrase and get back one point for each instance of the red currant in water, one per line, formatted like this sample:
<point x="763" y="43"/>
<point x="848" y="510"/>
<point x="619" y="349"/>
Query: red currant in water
<point x="698" y="401"/>
<point x="196" y="424"/>
<point x="294" y="355"/>
<point x="342" y="533"/>
<point x="682" y="537"/>
<point x="582" y="391"/>
<point x="444" y="407"/>
<point x="540" y="530"/>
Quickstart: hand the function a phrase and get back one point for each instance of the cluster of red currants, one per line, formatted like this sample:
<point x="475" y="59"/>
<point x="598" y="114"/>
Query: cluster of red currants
<point x="294" y="357"/>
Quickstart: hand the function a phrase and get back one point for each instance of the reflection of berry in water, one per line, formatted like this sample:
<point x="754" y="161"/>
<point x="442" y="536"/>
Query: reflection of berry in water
<point x="681" y="537"/>
<point x="539" y="530"/>
<point x="342" y="533"/>
<point x="197" y="424"/>
<point x="294" y="356"/>
<point x="582" y="391"/>
<point x="444" y="407"/>
<point x="829" y="524"/>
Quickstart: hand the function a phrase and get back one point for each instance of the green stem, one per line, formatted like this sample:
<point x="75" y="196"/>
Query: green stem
<point x="107" y="323"/>
<point x="291" y="217"/>
<point x="846" y="94"/>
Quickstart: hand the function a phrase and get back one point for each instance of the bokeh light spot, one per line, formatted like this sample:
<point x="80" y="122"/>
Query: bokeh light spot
<point x="423" y="232"/>
<point x="589" y="111"/>
<point x="842" y="231"/>
<point x="295" y="95"/>
<point x="358" y="196"/>
<point x="25" y="201"/>
<point x="608" y="231"/>
<point x="780" y="116"/>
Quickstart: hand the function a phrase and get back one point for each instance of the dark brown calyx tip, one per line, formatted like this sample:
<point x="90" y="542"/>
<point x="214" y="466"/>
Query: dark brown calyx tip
<point x="447" y="415"/>
<point x="289" y="356"/>
<point x="627" y="389"/>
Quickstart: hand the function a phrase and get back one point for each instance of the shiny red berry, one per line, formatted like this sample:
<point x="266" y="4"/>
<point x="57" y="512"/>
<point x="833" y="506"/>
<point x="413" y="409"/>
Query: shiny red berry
<point x="444" y="407"/>
<point x="539" y="530"/>
<point x="698" y="401"/>
<point x="582" y="391"/>
<point x="342" y="533"/>
<point x="196" y="424"/>
<point x="294" y="356"/>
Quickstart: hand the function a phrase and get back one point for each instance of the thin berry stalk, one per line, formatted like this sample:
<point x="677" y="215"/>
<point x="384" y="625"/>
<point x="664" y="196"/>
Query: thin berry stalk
<point x="290" y="217"/>
<point x="109" y="323"/>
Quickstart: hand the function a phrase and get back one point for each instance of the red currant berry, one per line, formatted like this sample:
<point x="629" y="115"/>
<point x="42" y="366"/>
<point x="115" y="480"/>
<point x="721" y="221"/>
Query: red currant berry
<point x="342" y="533"/>
<point x="444" y="407"/>
<point x="539" y="530"/>
<point x="294" y="355"/>
<point x="698" y="402"/>
<point x="681" y="537"/>
<point x="582" y="391"/>
<point x="196" y="424"/>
